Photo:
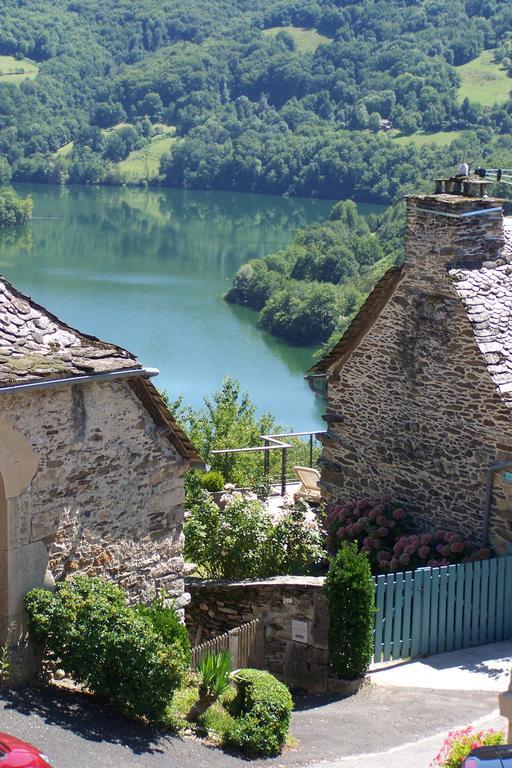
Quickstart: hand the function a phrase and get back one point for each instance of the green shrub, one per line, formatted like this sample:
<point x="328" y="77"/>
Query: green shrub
<point x="227" y="543"/>
<point x="212" y="481"/>
<point x="262" y="710"/>
<point x="294" y="543"/>
<point x="133" y="656"/>
<point x="351" y="594"/>
<point x="242" y="541"/>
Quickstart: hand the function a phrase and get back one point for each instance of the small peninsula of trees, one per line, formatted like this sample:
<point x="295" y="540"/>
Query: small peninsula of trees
<point x="309" y="292"/>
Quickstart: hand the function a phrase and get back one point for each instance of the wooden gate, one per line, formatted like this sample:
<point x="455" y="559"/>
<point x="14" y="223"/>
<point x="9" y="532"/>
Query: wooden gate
<point x="432" y="610"/>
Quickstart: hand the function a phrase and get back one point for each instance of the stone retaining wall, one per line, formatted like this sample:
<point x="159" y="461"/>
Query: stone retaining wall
<point x="294" y="613"/>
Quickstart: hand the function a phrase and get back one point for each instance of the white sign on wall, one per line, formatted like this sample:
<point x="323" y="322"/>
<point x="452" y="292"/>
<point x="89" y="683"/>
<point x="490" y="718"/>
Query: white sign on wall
<point x="299" y="631"/>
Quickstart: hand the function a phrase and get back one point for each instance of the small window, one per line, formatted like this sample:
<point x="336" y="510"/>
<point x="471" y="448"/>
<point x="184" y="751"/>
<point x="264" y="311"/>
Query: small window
<point x="507" y="476"/>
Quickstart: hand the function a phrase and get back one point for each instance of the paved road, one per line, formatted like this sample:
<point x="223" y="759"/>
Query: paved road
<point x="78" y="733"/>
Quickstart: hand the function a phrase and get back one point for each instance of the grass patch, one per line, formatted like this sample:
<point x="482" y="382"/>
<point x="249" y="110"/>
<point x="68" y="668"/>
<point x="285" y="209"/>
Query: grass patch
<point x="215" y="721"/>
<point x="145" y="163"/>
<point x="306" y="40"/>
<point x="440" y="138"/>
<point x="66" y="150"/>
<point x="15" y="71"/>
<point x="484" y="81"/>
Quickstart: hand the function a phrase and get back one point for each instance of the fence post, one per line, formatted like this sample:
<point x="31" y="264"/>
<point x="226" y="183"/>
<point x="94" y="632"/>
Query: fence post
<point x="311" y="450"/>
<point x="266" y="459"/>
<point x="283" y="472"/>
<point x="233" y="648"/>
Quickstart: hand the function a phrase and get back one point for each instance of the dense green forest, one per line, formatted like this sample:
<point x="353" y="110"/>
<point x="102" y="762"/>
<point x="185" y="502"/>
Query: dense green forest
<point x="273" y="96"/>
<point x="309" y="292"/>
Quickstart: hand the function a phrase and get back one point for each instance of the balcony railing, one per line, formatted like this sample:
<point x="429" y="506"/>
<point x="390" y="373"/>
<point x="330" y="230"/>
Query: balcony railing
<point x="277" y="443"/>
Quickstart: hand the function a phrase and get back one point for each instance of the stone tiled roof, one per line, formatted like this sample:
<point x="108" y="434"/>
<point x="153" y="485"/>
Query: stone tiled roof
<point x="361" y="323"/>
<point x="35" y="345"/>
<point x="486" y="293"/>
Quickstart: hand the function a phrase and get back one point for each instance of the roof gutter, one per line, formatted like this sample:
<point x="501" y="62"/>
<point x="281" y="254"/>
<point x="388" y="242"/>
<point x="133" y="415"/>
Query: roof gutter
<point x="480" y="212"/>
<point x="127" y="373"/>
<point x="318" y="383"/>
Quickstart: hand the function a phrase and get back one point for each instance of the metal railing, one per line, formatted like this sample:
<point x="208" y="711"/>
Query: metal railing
<point x="276" y="443"/>
<point x="244" y="643"/>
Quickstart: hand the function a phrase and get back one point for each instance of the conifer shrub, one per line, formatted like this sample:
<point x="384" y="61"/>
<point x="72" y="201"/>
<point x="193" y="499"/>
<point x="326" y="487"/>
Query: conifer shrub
<point x="262" y="710"/>
<point x="212" y="481"/>
<point x="351" y="595"/>
<point x="134" y="656"/>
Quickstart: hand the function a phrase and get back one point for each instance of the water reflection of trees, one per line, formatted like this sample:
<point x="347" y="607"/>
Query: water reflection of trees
<point x="13" y="239"/>
<point x="199" y="228"/>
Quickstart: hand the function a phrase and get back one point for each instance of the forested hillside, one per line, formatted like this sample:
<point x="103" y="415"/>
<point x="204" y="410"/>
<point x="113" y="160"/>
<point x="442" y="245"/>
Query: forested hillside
<point x="279" y="96"/>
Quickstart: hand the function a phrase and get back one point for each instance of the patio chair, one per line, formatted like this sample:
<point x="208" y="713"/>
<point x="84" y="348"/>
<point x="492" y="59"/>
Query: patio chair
<point x="309" y="489"/>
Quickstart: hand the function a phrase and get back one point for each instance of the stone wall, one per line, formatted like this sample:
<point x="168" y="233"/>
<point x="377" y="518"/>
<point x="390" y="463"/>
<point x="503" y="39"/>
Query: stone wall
<point x="413" y="413"/>
<point x="91" y="487"/>
<point x="217" y="607"/>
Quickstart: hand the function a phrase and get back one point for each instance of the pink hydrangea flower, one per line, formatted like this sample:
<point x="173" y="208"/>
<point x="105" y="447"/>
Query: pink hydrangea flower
<point x="399" y="513"/>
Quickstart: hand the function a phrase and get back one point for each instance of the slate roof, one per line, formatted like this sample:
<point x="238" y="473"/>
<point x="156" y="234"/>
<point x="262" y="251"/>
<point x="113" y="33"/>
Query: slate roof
<point x="486" y="294"/>
<point x="36" y="346"/>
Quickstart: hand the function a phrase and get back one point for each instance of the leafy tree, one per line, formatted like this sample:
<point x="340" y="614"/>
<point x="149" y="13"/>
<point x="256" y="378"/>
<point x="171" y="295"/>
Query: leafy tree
<point x="228" y="420"/>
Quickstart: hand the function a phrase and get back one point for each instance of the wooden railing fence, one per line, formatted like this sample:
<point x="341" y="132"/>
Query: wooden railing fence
<point x="244" y="643"/>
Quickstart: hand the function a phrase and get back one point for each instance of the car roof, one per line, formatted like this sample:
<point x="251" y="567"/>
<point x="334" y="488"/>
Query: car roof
<point x="493" y="756"/>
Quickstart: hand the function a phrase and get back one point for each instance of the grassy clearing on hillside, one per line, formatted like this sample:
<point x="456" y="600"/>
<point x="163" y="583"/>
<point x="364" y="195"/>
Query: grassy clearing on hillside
<point x="306" y="40"/>
<point x="66" y="150"/>
<point x="441" y="138"/>
<point x="14" y="71"/>
<point x="145" y="163"/>
<point x="484" y="81"/>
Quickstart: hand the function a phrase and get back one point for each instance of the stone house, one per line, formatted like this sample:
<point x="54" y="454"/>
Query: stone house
<point x="419" y="389"/>
<point x="92" y="465"/>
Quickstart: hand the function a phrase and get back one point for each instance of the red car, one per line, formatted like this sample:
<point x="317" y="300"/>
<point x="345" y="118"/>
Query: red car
<point x="18" y="754"/>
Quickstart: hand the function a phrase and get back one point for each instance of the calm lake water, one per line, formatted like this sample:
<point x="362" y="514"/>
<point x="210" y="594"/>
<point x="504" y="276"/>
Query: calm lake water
<point x="147" y="270"/>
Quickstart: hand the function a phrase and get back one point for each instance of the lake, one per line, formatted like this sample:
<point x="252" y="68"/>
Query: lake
<point x="147" y="269"/>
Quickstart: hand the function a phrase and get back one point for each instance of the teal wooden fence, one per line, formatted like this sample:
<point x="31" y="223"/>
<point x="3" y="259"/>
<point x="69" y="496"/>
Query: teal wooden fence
<point x="432" y="610"/>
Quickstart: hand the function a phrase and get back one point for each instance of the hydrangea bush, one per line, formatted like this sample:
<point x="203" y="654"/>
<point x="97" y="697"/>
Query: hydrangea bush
<point x="384" y="531"/>
<point x="458" y="744"/>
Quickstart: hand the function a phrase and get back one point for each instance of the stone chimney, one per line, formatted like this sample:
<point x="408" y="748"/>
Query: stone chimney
<point x="458" y="226"/>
